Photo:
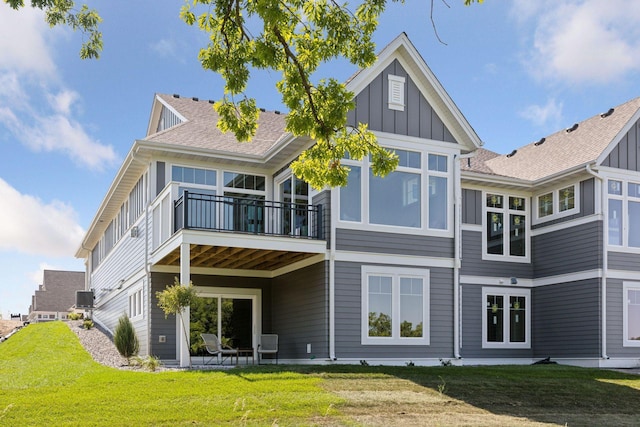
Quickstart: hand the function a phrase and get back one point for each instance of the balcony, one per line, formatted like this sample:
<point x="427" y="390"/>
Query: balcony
<point x="246" y="215"/>
<point x="237" y="233"/>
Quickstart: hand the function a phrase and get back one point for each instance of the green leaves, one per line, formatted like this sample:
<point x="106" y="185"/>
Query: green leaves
<point x="176" y="298"/>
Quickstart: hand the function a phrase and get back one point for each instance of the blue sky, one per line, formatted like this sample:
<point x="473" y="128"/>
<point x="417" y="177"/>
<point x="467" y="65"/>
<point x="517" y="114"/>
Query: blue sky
<point x="518" y="70"/>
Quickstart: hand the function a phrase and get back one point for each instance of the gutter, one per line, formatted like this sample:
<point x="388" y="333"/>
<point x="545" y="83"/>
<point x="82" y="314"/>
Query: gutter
<point x="605" y="267"/>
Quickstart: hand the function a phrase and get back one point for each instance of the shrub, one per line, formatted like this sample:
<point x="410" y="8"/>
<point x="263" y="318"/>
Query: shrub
<point x="150" y="363"/>
<point x="125" y="338"/>
<point x="88" y="324"/>
<point x="74" y="316"/>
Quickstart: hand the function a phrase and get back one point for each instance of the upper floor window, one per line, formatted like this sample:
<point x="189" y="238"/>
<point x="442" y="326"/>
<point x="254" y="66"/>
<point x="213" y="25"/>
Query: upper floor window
<point x="505" y="231"/>
<point x="623" y="217"/>
<point x="557" y="203"/>
<point x="415" y="195"/>
<point x="193" y="175"/>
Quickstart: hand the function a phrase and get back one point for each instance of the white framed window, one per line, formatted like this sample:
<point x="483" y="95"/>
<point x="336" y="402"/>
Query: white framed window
<point x="631" y="314"/>
<point x="415" y="196"/>
<point x="558" y="203"/>
<point x="623" y="213"/>
<point x="506" y="228"/>
<point x="135" y="303"/>
<point x="395" y="306"/>
<point x="506" y="318"/>
<point x="396" y="92"/>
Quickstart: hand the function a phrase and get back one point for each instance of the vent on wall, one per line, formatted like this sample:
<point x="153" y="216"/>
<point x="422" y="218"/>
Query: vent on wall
<point x="396" y="92"/>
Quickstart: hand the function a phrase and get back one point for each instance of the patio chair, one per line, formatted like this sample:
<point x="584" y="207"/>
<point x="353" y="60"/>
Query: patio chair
<point x="216" y="349"/>
<point x="268" y="345"/>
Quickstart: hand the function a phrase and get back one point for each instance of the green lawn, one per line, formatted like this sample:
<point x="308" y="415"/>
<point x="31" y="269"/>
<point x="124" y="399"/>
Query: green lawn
<point x="46" y="378"/>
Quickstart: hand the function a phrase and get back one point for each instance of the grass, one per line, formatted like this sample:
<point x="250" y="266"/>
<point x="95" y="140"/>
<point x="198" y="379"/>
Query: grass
<point x="46" y="378"/>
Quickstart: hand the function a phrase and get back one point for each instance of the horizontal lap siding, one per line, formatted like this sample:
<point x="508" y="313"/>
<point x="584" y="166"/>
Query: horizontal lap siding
<point x="348" y="311"/>
<point x="474" y="265"/>
<point x="624" y="261"/>
<point x="472" y="306"/>
<point x="566" y="319"/>
<point x="569" y="250"/>
<point x="393" y="243"/>
<point x="300" y="312"/>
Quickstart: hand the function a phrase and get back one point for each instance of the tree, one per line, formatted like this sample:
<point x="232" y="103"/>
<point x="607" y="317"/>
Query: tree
<point x="175" y="299"/>
<point x="292" y="37"/>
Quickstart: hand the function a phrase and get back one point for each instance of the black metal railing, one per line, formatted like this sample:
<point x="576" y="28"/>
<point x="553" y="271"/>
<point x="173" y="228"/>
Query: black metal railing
<point x="247" y="215"/>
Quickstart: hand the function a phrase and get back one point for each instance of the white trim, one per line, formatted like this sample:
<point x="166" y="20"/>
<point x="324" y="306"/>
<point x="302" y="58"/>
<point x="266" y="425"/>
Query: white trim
<point x="555" y="203"/>
<point x="495" y="281"/>
<point x="552" y="228"/>
<point x="472" y="227"/>
<point x="409" y="260"/>
<point x="616" y="140"/>
<point x="506" y="293"/>
<point x="626" y="287"/>
<point x="396" y="274"/>
<point x="506" y="212"/>
<point x="532" y="283"/>
<point x="623" y="274"/>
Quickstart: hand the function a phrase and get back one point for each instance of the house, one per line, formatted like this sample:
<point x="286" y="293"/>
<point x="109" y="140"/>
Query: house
<point x="56" y="296"/>
<point x="460" y="254"/>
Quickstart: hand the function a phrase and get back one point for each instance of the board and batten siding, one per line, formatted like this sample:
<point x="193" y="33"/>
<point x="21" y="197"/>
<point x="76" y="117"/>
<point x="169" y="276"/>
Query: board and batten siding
<point x="626" y="155"/>
<point x="348" y="318"/>
<point x="472" y="307"/>
<point x="393" y="243"/>
<point x="566" y="320"/>
<point x="471" y="206"/>
<point x="615" y="319"/>
<point x="474" y="265"/>
<point x="300" y="312"/>
<point x="569" y="250"/>
<point x="324" y="200"/>
<point x="418" y="118"/>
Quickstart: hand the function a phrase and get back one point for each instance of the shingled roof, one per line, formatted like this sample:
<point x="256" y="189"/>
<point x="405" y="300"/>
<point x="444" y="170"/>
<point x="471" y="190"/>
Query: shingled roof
<point x="200" y="130"/>
<point x="561" y="151"/>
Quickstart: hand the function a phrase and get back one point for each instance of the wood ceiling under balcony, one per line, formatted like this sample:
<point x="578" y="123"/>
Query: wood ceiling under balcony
<point x="236" y="258"/>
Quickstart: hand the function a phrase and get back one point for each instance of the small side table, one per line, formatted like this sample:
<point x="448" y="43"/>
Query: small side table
<point x="246" y="352"/>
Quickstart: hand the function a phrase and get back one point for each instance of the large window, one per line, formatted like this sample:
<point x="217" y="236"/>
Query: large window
<point x="395" y="306"/>
<point x="631" y="310"/>
<point x="623" y="216"/>
<point x="506" y="226"/>
<point x="415" y="195"/>
<point x="506" y="317"/>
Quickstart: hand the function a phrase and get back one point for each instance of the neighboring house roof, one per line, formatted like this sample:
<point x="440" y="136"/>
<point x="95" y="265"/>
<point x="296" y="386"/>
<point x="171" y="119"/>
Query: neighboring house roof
<point x="200" y="128"/>
<point x="58" y="290"/>
<point x="562" y="151"/>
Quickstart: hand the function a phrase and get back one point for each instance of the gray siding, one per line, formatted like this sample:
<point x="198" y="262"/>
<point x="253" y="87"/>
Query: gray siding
<point x="624" y="261"/>
<point x="393" y="243"/>
<point x="418" y="118"/>
<point x="324" y="199"/>
<point x="160" y="177"/>
<point x="472" y="306"/>
<point x="300" y="312"/>
<point x="566" y="319"/>
<point x="569" y="250"/>
<point x="474" y="265"/>
<point x="348" y="313"/>
<point x="626" y="155"/>
<point x="615" y="319"/>
<point x="471" y="207"/>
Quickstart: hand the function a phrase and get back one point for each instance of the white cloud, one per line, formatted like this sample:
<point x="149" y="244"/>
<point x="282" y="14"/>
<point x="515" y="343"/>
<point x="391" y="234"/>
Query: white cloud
<point x="29" y="225"/>
<point x="549" y="115"/>
<point x="582" y="41"/>
<point x="23" y="40"/>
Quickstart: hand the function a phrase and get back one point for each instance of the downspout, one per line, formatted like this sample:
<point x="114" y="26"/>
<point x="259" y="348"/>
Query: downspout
<point x="147" y="272"/>
<point x="457" y="249"/>
<point x="332" y="281"/>
<point x="605" y="267"/>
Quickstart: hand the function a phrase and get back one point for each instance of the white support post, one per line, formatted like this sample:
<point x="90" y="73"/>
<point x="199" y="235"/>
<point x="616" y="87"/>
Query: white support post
<point x="185" y="278"/>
